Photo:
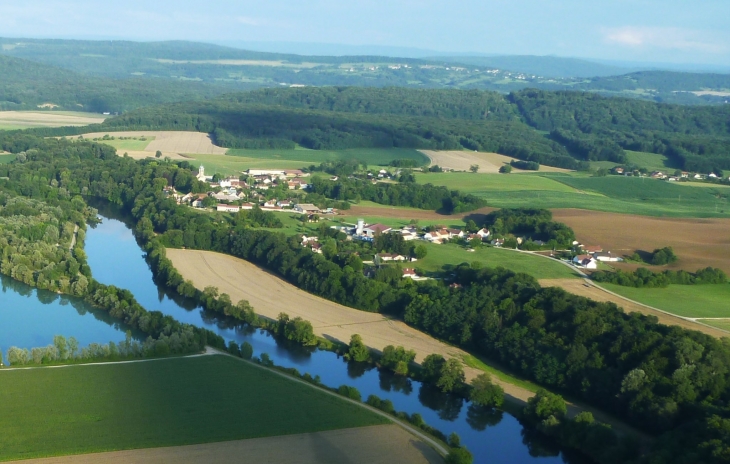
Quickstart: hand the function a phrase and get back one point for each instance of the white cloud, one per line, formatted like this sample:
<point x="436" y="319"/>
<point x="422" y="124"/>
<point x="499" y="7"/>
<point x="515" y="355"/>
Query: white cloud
<point x="670" y="38"/>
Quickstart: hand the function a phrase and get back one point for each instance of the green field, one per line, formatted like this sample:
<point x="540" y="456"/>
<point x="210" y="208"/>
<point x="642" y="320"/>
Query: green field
<point x="84" y="409"/>
<point x="720" y="324"/>
<point x="6" y="158"/>
<point x="128" y="144"/>
<point x="304" y="157"/>
<point x="487" y="184"/>
<point x="682" y="300"/>
<point x="448" y="254"/>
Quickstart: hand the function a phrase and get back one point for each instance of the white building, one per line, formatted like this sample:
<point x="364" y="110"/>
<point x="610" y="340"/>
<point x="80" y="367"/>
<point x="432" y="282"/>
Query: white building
<point x="201" y="175"/>
<point x="228" y="208"/>
<point x="585" y="261"/>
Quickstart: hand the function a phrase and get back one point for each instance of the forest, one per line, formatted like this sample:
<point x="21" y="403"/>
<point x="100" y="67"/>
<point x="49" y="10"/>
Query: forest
<point x="667" y="381"/>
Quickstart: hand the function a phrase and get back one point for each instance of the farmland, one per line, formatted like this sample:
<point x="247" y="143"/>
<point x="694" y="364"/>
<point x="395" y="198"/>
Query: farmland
<point x="380" y="444"/>
<point x="650" y="161"/>
<point x="305" y="157"/>
<point x="84" y="409"/>
<point x="10" y="120"/>
<point x="698" y="242"/>
<point x="538" y="267"/>
<point x="695" y="301"/>
<point x="462" y="160"/>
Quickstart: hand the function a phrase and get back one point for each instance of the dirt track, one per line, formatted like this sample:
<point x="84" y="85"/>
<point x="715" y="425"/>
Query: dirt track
<point x="171" y="141"/>
<point x="382" y="444"/>
<point x="699" y="243"/>
<point x="488" y="162"/>
<point x="47" y="119"/>
<point x="582" y="288"/>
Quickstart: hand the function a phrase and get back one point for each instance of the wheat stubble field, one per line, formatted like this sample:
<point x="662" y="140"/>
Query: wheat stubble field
<point x="28" y="119"/>
<point x="169" y="142"/>
<point x="487" y="162"/>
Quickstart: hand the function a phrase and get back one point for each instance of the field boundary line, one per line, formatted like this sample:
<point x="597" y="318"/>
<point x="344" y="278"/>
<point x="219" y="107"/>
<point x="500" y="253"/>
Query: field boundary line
<point x="408" y="428"/>
<point x="208" y="352"/>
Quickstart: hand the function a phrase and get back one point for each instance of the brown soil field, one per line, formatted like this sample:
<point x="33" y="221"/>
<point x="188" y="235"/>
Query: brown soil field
<point x="698" y="243"/>
<point x="172" y="141"/>
<point x="488" y="162"/>
<point x="589" y="290"/>
<point x="382" y="444"/>
<point x="47" y="119"/>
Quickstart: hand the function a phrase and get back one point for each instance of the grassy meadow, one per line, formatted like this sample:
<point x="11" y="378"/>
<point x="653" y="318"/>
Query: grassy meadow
<point x="6" y="158"/>
<point x="720" y="324"/>
<point x="449" y="254"/>
<point x="85" y="409"/>
<point x="682" y="300"/>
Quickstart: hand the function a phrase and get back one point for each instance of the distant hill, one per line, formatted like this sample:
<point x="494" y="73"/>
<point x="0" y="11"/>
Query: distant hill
<point x="201" y="69"/>
<point x="545" y="66"/>
<point x="25" y="84"/>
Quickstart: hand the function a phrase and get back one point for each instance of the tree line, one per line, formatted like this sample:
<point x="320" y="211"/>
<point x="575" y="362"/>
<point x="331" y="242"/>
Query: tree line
<point x="645" y="278"/>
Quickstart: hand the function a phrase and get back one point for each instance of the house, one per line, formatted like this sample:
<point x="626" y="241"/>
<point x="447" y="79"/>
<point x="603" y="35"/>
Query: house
<point x="385" y="257"/>
<point x="284" y="203"/>
<point x="658" y="175"/>
<point x="409" y="273"/>
<point x="228" y="208"/>
<point x="375" y="229"/>
<point x="247" y="206"/>
<point x="316" y="247"/>
<point x="295" y="173"/>
<point x="697" y="176"/>
<point x="712" y="175"/>
<point x="685" y="174"/>
<point x="455" y="285"/>
<point x="437" y="236"/>
<point x="607" y="257"/>
<point x="585" y="261"/>
<point x="618" y="170"/>
<point x="306" y="208"/>
<point x="455" y="233"/>
<point x="498" y="242"/>
<point x="484" y="233"/>
<point x="265" y="172"/>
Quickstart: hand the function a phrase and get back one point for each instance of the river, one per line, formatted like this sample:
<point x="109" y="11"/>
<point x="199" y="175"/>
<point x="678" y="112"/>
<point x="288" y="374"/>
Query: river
<point x="30" y="318"/>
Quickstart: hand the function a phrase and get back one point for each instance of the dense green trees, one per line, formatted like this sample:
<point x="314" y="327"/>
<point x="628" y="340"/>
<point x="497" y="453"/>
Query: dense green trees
<point x="535" y="224"/>
<point x="644" y="278"/>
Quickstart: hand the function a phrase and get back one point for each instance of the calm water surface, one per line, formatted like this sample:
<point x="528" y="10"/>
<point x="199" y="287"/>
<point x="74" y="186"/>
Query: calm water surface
<point x="492" y="436"/>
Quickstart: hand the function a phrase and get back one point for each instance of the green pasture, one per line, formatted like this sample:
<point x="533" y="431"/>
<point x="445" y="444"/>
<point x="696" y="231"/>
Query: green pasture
<point x="487" y="184"/>
<point x="6" y="158"/>
<point x="128" y="144"/>
<point x="450" y="254"/>
<point x="723" y="324"/>
<point x="305" y="157"/>
<point x="682" y="300"/>
<point x="651" y="161"/>
<point x="172" y="402"/>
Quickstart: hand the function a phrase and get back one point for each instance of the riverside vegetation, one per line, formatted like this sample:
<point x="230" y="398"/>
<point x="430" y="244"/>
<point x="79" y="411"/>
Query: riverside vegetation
<point x="666" y="380"/>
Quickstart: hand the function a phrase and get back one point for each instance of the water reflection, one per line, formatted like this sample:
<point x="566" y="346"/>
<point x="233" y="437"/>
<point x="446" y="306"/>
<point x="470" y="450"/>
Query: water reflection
<point x="492" y="436"/>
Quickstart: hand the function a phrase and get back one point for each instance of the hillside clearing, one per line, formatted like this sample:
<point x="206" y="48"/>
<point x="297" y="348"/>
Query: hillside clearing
<point x="487" y="162"/>
<point x="29" y="119"/>
<point x="180" y="142"/>
<point x="154" y="404"/>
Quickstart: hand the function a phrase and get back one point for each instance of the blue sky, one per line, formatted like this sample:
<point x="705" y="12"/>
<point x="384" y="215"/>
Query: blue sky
<point x="677" y="31"/>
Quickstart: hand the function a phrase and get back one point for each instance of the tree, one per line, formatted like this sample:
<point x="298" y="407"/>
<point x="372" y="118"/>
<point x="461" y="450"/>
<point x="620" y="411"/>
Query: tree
<point x="459" y="456"/>
<point x="246" y="351"/>
<point x="474" y="168"/>
<point x="158" y="154"/>
<point x="505" y="169"/>
<point x="358" y="352"/>
<point x="397" y="359"/>
<point x="486" y="393"/>
<point x="454" y="440"/>
<point x="544" y="405"/>
<point x="421" y="251"/>
<point x="451" y="376"/>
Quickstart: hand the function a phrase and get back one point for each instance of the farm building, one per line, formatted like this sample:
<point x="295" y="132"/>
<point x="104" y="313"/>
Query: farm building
<point x="607" y="257"/>
<point x="228" y="208"/>
<point x="390" y="257"/>
<point x="585" y="261"/>
<point x="374" y="229"/>
<point x="306" y="208"/>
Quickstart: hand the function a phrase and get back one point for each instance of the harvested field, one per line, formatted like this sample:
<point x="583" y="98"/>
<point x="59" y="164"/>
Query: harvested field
<point x="270" y="295"/>
<point x="589" y="290"/>
<point x="699" y="243"/>
<point x="376" y="444"/>
<point x="407" y="214"/>
<point x="179" y="142"/>
<point x="139" y="155"/>
<point x="488" y="162"/>
<point x="27" y="119"/>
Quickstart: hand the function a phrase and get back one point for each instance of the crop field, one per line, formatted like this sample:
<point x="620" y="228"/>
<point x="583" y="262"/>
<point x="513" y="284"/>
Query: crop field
<point x="488" y="184"/>
<point x="462" y="160"/>
<point x="304" y="157"/>
<point x="128" y="144"/>
<point x="10" y="120"/>
<point x="179" y="142"/>
<point x="378" y="444"/>
<point x="84" y="409"/>
<point x="541" y="268"/>
<point x="699" y="243"/>
<point x="694" y="301"/>
<point x="722" y="324"/>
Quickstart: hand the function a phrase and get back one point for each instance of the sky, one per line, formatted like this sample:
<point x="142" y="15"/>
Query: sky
<point x="671" y="31"/>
